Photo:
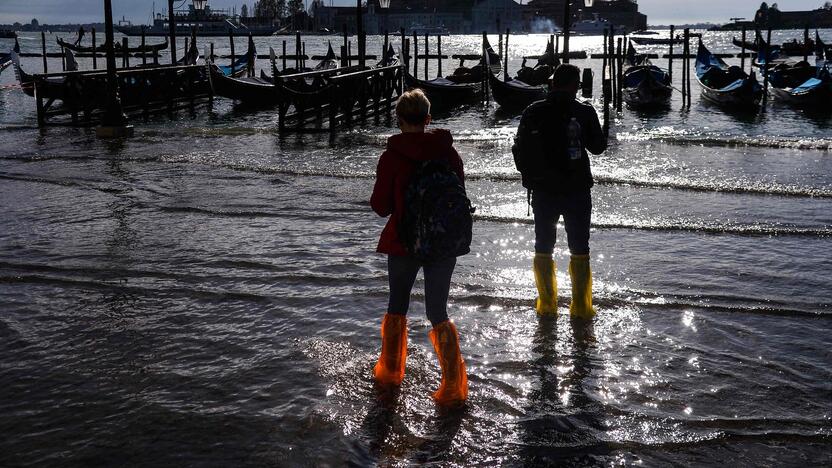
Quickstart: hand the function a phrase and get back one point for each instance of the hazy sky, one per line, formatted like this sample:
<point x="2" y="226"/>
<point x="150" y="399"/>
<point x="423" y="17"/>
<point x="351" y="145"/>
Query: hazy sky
<point x="139" y="11"/>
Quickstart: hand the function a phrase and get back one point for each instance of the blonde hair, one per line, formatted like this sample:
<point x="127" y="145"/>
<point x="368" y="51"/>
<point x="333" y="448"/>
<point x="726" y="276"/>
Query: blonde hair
<point x="413" y="107"/>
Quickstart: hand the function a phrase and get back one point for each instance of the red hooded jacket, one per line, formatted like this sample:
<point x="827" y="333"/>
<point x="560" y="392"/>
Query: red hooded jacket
<point x="395" y="168"/>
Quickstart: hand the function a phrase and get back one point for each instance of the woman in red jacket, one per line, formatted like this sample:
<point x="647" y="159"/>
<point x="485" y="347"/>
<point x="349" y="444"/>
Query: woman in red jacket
<point x="395" y="169"/>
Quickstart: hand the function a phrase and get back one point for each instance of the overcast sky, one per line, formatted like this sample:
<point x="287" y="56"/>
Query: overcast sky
<point x="139" y="11"/>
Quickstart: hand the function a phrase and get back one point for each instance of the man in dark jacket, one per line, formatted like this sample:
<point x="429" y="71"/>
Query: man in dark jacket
<point x="550" y="150"/>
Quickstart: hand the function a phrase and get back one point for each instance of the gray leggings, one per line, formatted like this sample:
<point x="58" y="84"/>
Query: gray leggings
<point x="402" y="274"/>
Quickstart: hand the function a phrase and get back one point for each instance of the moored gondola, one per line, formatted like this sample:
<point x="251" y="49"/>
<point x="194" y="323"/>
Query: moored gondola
<point x="730" y="87"/>
<point x="101" y="49"/>
<point x="464" y="85"/>
<point x="248" y="90"/>
<point x="50" y="88"/>
<point x="443" y="92"/>
<point x="802" y="85"/>
<point x="644" y="84"/>
<point x="463" y="74"/>
<point x="514" y="95"/>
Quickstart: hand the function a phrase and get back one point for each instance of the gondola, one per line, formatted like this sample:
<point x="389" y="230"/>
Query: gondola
<point x="443" y="92"/>
<point x="52" y="88"/>
<point x="241" y="64"/>
<point x="147" y="49"/>
<point x="460" y="87"/>
<point x="5" y="61"/>
<point x="656" y="40"/>
<point x="802" y="85"/>
<point x="644" y="84"/>
<point x="7" y="34"/>
<point x="463" y="74"/>
<point x="514" y="95"/>
<point x="248" y="90"/>
<point x="727" y="86"/>
<point x="542" y="70"/>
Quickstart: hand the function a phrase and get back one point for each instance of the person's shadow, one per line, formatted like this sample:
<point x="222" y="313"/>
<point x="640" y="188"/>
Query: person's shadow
<point x="561" y="420"/>
<point x="384" y="432"/>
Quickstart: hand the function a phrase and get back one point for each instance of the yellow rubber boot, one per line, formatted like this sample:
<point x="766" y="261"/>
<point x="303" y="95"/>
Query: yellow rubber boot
<point x="389" y="369"/>
<point x="547" y="284"/>
<point x="581" y="306"/>
<point x="454" y="387"/>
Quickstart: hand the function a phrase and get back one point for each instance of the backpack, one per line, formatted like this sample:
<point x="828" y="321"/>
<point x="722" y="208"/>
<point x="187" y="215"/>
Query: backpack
<point x="540" y="148"/>
<point x="437" y="221"/>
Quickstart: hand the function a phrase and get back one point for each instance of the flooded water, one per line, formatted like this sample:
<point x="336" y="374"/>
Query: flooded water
<point x="208" y="293"/>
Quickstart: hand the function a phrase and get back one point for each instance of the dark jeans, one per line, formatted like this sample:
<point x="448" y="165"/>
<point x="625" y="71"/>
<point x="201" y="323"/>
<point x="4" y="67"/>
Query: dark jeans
<point x="402" y="274"/>
<point x="576" y="209"/>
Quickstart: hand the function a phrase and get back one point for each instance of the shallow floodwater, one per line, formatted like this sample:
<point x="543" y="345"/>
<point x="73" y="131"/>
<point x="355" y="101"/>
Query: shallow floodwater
<point x="207" y="293"/>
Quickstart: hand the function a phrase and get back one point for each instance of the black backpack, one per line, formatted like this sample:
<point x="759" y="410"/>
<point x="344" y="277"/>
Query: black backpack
<point x="541" y="146"/>
<point x="437" y="221"/>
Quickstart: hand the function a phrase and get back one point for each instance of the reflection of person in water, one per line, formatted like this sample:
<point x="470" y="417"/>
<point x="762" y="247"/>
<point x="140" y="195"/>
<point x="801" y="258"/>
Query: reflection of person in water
<point x="560" y="417"/>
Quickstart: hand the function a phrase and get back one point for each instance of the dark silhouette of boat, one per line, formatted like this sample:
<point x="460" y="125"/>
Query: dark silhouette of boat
<point x="644" y="84"/>
<point x="730" y="87"/>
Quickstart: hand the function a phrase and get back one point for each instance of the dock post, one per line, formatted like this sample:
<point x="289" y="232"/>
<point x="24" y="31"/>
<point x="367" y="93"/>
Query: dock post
<point x="742" y="50"/>
<point x="606" y="90"/>
<point x="687" y="62"/>
<point x="427" y="54"/>
<point x="684" y="75"/>
<point x="806" y="44"/>
<point x="251" y="59"/>
<point x="611" y="62"/>
<point x="500" y="43"/>
<point x="346" y="61"/>
<point x="415" y="54"/>
<point x="113" y="122"/>
<point x="487" y="70"/>
<point x="172" y="29"/>
<point x="63" y="59"/>
<point x="94" y="52"/>
<point x="231" y="43"/>
<point x="43" y="51"/>
<point x="439" y="54"/>
<point x="187" y="47"/>
<point x="211" y="58"/>
<point x="567" y="23"/>
<point x="297" y="51"/>
<point x="349" y="53"/>
<point x="144" y="54"/>
<point x="586" y="83"/>
<point x="386" y="44"/>
<point x="283" y="58"/>
<point x="303" y="55"/>
<point x="505" y="58"/>
<point x="670" y="55"/>
<point x="619" y="77"/>
<point x="125" y="53"/>
<point x="604" y="54"/>
<point x="764" y="68"/>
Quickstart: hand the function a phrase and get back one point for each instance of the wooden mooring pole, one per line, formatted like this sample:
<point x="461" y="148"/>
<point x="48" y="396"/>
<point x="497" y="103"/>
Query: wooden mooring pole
<point x="172" y="29"/>
<point x="742" y="49"/>
<point x="567" y="24"/>
<point x="43" y="48"/>
<point x="94" y="53"/>
<point x="670" y="55"/>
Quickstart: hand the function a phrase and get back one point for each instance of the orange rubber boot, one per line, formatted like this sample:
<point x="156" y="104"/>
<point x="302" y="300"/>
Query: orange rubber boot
<point x="389" y="369"/>
<point x="454" y="387"/>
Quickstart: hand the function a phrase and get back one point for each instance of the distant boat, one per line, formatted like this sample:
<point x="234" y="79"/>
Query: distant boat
<point x="7" y="34"/>
<point x="594" y="27"/>
<point x="203" y="20"/>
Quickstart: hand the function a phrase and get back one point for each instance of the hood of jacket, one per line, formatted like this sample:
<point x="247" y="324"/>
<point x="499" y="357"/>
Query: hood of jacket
<point x="421" y="146"/>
